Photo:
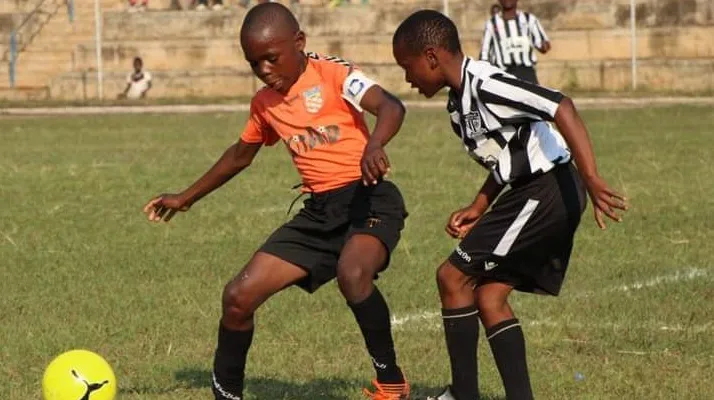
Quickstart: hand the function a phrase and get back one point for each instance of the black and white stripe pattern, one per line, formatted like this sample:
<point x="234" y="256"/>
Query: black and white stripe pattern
<point x="513" y="41"/>
<point x="501" y="122"/>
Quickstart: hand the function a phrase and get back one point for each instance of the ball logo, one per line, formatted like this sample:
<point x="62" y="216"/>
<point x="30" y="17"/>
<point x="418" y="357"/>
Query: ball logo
<point x="91" y="387"/>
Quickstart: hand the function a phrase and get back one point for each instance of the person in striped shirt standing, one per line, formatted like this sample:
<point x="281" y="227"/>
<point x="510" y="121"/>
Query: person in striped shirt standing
<point x="524" y="242"/>
<point x="509" y="40"/>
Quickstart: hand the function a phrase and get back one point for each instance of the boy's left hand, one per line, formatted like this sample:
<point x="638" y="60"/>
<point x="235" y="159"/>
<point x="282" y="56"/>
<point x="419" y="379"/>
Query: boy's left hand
<point x="605" y="200"/>
<point x="375" y="164"/>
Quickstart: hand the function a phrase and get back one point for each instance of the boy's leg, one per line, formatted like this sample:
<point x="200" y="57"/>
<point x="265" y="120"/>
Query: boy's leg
<point x="461" y="329"/>
<point x="362" y="257"/>
<point x="377" y="214"/>
<point x="505" y="336"/>
<point x="263" y="276"/>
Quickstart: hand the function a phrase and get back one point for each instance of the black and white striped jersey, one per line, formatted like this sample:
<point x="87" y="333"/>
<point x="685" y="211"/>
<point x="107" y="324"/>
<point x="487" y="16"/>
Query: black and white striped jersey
<point x="501" y="121"/>
<point x="513" y="41"/>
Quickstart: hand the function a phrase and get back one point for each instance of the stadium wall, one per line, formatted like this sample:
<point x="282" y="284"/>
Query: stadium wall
<point x="197" y="54"/>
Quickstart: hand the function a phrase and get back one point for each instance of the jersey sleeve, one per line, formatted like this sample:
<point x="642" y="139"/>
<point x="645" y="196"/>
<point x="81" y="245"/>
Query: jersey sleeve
<point x="147" y="76"/>
<point x="514" y="101"/>
<point x="486" y="42"/>
<point x="538" y="35"/>
<point x="257" y="130"/>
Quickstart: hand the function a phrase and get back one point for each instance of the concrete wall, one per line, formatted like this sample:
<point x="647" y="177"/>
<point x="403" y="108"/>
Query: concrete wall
<point x="197" y="54"/>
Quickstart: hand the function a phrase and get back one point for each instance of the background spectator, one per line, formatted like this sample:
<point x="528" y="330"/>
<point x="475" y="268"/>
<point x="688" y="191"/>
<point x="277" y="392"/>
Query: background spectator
<point x="138" y="5"/>
<point x="203" y="5"/>
<point x="510" y="38"/>
<point x="495" y="9"/>
<point x="138" y="82"/>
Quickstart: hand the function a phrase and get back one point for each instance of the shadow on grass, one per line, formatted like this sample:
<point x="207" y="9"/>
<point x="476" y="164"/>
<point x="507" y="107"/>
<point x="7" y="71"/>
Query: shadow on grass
<point x="276" y="389"/>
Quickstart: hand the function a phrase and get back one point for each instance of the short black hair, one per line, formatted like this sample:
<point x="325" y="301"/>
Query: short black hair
<point x="269" y="14"/>
<point x="427" y="28"/>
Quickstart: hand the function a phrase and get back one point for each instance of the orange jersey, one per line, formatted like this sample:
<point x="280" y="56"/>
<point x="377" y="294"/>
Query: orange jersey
<point x="319" y="120"/>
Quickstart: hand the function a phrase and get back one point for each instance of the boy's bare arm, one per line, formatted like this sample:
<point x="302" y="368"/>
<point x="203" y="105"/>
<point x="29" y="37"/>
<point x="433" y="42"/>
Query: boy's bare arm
<point x="235" y="159"/>
<point x="605" y="200"/>
<point x="390" y="114"/>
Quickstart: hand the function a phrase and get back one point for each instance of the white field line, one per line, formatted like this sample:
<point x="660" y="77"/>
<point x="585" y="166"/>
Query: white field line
<point x="8" y="238"/>
<point x="430" y="320"/>
<point x="581" y="102"/>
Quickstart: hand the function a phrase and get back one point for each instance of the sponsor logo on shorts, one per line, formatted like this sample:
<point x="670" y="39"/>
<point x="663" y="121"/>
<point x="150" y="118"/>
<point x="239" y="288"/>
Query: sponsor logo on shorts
<point x="372" y="222"/>
<point x="463" y="254"/>
<point x="489" y="265"/>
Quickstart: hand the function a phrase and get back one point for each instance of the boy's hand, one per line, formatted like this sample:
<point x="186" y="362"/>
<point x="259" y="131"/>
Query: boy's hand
<point x="375" y="164"/>
<point x="165" y="206"/>
<point x="605" y="200"/>
<point x="461" y="222"/>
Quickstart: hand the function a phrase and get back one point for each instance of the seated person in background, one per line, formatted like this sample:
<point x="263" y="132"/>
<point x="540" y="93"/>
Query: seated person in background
<point x="203" y="5"/>
<point x="138" y="82"/>
<point x="138" y="5"/>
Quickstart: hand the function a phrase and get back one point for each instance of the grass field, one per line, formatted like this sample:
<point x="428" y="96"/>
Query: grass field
<point x="81" y="267"/>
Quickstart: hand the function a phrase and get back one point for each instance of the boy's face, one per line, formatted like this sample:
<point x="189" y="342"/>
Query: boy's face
<point x="138" y="65"/>
<point x="276" y="55"/>
<point x="420" y="70"/>
<point x="508" y="4"/>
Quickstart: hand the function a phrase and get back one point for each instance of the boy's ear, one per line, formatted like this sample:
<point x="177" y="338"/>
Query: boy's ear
<point x="431" y="58"/>
<point x="300" y="41"/>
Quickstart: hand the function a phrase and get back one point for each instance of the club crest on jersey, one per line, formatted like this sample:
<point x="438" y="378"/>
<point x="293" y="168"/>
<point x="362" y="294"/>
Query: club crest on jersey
<point x="473" y="125"/>
<point x="313" y="99"/>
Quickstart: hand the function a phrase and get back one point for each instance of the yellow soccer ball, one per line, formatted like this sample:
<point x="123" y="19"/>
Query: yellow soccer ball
<point x="79" y="375"/>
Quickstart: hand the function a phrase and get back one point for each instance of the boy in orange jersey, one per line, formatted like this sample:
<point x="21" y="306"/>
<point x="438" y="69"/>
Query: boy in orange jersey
<point x="353" y="219"/>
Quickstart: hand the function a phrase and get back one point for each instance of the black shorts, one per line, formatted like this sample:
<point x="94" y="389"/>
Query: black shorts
<point x="523" y="73"/>
<point x="525" y="240"/>
<point x="314" y="238"/>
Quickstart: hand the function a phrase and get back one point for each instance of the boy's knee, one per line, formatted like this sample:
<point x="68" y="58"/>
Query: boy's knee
<point x="354" y="280"/>
<point x="237" y="302"/>
<point x="490" y="302"/>
<point x="451" y="279"/>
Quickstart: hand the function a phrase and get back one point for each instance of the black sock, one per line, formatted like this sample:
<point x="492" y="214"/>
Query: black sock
<point x="229" y="363"/>
<point x="372" y="315"/>
<point x="509" y="350"/>
<point x="461" y="327"/>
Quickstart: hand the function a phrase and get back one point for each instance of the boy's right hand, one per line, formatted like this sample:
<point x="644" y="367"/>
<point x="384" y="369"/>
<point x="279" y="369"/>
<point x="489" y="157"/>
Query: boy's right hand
<point x="165" y="206"/>
<point x="461" y="222"/>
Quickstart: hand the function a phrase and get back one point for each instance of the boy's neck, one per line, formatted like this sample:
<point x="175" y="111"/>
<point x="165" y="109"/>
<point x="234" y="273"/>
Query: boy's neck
<point x="302" y="68"/>
<point x="453" y="70"/>
<point x="303" y="64"/>
<point x="510" y="13"/>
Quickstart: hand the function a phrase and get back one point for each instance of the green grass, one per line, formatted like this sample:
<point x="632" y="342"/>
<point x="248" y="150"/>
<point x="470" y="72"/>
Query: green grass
<point x="81" y="267"/>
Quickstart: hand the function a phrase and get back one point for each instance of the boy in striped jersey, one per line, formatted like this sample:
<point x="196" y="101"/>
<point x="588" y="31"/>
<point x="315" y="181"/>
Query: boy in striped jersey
<point x="509" y="39"/>
<point x="524" y="242"/>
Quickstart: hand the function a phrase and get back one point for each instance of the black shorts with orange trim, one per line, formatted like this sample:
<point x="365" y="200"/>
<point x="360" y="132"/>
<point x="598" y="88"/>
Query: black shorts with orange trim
<point x="314" y="238"/>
